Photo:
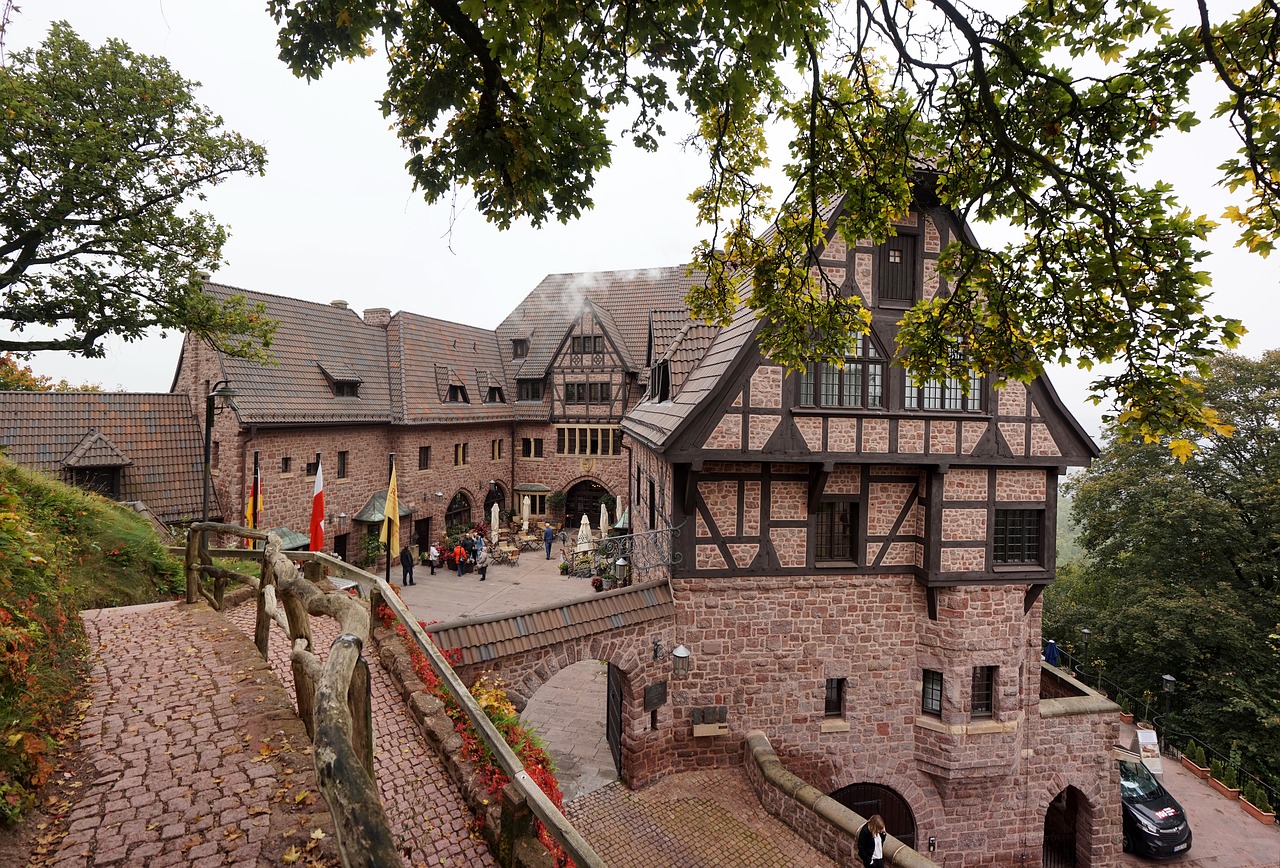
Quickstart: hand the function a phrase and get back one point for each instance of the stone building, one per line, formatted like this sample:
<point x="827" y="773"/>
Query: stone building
<point x="474" y="416"/>
<point x="861" y="557"/>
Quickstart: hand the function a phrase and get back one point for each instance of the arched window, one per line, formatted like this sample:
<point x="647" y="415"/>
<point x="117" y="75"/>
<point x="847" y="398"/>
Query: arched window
<point x="459" y="512"/>
<point x="867" y="799"/>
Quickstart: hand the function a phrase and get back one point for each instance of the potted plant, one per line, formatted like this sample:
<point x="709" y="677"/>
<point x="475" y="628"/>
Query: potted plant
<point x="1126" y="714"/>
<point x="609" y="580"/>
<point x="1193" y="760"/>
<point x="597" y="583"/>
<point x="564" y="568"/>
<point x="1254" y="801"/>
<point x="1222" y="778"/>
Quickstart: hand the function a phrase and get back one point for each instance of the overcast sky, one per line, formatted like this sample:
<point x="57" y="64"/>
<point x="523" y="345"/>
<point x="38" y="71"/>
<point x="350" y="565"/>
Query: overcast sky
<point x="336" y="216"/>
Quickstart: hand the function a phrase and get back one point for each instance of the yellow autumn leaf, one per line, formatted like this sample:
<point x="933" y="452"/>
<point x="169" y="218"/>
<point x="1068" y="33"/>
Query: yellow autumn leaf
<point x="300" y="796"/>
<point x="1182" y="449"/>
<point x="293" y="854"/>
<point x="317" y="834"/>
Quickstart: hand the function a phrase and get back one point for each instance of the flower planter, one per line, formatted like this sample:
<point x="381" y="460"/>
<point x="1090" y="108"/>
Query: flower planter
<point x="1267" y="817"/>
<point x="1227" y="791"/>
<point x="1125" y="717"/>
<point x="1199" y="771"/>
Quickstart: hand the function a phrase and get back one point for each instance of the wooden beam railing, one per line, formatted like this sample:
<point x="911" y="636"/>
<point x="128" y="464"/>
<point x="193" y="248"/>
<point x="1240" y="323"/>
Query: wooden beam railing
<point x="333" y="697"/>
<point x="345" y="773"/>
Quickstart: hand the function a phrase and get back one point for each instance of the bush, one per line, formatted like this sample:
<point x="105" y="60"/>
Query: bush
<point x="1216" y="769"/>
<point x="1229" y="777"/>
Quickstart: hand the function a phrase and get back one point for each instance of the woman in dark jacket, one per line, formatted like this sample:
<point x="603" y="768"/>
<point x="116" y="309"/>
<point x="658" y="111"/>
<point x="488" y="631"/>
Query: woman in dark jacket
<point x="871" y="842"/>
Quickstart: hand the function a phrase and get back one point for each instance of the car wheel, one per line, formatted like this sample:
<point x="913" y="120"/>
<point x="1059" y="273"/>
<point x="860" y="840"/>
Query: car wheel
<point x="1127" y="843"/>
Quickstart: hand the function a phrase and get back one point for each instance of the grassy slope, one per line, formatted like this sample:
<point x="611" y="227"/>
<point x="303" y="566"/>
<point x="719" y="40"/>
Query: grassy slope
<point x="61" y="550"/>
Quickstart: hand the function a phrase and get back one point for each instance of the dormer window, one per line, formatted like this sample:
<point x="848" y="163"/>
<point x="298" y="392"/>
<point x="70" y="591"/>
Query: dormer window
<point x="519" y="348"/>
<point x="458" y="395"/>
<point x="660" y="382"/>
<point x="495" y="396"/>
<point x="342" y="379"/>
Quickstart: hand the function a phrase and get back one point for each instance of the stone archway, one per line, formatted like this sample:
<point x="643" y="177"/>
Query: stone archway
<point x="584" y="497"/>
<point x="568" y="712"/>
<point x="1063" y="832"/>
<point x="867" y="799"/>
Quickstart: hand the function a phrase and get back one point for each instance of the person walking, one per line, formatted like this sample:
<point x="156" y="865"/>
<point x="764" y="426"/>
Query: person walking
<point x="548" y="537"/>
<point x="483" y="559"/>
<point x="406" y="567"/>
<point x="433" y="558"/>
<point x="460" y="557"/>
<point x="871" y="842"/>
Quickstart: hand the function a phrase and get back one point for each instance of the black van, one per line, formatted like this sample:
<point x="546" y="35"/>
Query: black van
<point x="1154" y="823"/>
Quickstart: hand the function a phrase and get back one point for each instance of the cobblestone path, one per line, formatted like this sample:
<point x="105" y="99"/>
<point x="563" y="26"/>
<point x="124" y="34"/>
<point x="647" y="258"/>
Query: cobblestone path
<point x="425" y="810"/>
<point x="194" y="754"/>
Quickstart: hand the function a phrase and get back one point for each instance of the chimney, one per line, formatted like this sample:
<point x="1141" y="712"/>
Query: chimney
<point x="338" y="303"/>
<point x="378" y="316"/>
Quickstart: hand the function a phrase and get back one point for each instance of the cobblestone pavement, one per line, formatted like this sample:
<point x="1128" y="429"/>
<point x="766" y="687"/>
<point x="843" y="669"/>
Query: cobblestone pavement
<point x="195" y="756"/>
<point x="424" y="808"/>
<point x="691" y="820"/>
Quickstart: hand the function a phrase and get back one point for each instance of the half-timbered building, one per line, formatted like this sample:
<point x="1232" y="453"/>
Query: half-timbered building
<point x="862" y="561"/>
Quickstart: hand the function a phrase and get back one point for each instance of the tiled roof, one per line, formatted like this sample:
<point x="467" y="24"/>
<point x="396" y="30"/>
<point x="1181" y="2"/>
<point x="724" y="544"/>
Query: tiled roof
<point x="156" y="435"/>
<point x="546" y="313"/>
<point x="434" y="354"/>
<point x="656" y="423"/>
<point x="96" y="450"/>
<point x="484" y="639"/>
<point x="687" y="349"/>
<point x="312" y="339"/>
<point x="664" y="327"/>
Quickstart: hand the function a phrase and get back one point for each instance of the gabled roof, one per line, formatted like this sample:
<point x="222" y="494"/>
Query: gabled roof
<point x="687" y="349"/>
<point x="655" y="422"/>
<point x="545" y="315"/>
<point x="664" y="327"/>
<point x="96" y="450"/>
<point x="154" y="438"/>
<point x="314" y="344"/>
<point x="609" y="325"/>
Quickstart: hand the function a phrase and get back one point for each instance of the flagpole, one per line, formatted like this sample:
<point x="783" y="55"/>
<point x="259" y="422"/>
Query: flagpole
<point x="386" y="517"/>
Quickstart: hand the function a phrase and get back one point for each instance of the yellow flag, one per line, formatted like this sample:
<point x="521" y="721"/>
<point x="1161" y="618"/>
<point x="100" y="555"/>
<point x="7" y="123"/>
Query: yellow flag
<point x="391" y="524"/>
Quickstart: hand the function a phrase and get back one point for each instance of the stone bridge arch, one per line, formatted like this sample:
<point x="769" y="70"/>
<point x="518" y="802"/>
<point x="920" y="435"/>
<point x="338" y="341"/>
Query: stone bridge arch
<point x="528" y="647"/>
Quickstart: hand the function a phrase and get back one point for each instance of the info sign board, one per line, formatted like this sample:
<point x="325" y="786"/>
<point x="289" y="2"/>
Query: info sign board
<point x="1147" y="745"/>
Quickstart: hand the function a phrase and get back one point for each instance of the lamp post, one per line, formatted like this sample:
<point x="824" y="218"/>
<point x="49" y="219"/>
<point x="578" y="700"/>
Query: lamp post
<point x="680" y="657"/>
<point x="1085" y="635"/>
<point x="221" y="390"/>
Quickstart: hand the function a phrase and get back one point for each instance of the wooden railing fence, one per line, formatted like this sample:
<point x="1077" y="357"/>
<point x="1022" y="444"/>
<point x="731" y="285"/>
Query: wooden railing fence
<point x="338" y="719"/>
<point x="333" y="696"/>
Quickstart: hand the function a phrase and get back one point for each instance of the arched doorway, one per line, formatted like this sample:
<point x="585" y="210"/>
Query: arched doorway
<point x="584" y="497"/>
<point x="867" y="799"/>
<point x="459" y="512"/>
<point x="1060" y="821"/>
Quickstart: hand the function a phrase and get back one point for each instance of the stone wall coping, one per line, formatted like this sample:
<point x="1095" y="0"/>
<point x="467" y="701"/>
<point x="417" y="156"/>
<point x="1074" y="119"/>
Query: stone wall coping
<point x="842" y="820"/>
<point x="1089" y="701"/>
<point x="973" y="727"/>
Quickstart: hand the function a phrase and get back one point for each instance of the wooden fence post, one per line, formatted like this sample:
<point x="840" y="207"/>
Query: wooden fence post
<point x="360" y="702"/>
<point x="193" y="574"/>
<point x="262" y="626"/>
<point x="304" y="685"/>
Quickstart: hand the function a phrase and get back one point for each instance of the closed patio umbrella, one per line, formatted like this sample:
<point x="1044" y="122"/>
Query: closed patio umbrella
<point x="524" y="515"/>
<point x="604" y="519"/>
<point x="493" y="522"/>
<point x="584" y="534"/>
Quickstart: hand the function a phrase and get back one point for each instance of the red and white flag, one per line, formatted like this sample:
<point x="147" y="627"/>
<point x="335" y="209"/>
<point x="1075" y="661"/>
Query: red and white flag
<point x="317" y="511"/>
